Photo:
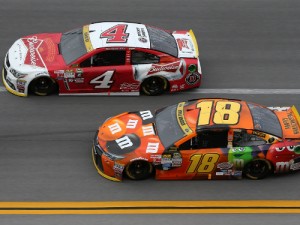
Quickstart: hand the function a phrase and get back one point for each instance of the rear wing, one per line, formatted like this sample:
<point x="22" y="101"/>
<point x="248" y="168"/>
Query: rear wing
<point x="296" y="114"/>
<point x="186" y="44"/>
<point x="289" y="119"/>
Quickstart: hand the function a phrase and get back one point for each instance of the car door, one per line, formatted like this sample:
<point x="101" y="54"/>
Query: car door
<point x="142" y="62"/>
<point x="205" y="155"/>
<point x="105" y="72"/>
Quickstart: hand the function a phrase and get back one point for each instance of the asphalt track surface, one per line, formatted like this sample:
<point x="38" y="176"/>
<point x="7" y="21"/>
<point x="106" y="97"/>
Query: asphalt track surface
<point x="45" y="142"/>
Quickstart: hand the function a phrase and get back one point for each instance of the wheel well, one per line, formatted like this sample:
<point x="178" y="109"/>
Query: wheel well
<point x="167" y="83"/>
<point x="56" y="89"/>
<point x="124" y="174"/>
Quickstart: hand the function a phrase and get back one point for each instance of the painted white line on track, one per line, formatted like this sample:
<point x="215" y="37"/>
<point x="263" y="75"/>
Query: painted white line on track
<point x="246" y="91"/>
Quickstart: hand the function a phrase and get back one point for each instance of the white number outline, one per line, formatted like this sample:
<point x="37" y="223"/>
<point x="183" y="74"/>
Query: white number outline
<point x="106" y="82"/>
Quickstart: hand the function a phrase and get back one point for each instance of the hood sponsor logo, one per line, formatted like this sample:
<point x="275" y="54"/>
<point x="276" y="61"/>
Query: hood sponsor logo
<point x="33" y="57"/>
<point x="171" y="67"/>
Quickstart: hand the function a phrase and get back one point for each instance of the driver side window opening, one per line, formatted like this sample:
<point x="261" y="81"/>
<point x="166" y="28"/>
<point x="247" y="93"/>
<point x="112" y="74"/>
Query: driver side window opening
<point x="106" y="58"/>
<point x="139" y="57"/>
<point x="242" y="139"/>
<point x="207" y="139"/>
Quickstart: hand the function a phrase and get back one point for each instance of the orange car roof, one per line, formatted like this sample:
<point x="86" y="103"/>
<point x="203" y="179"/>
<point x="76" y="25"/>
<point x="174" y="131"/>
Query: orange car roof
<point x="205" y="113"/>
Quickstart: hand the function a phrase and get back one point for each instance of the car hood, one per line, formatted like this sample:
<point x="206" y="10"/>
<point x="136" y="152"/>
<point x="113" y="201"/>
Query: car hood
<point x="130" y="132"/>
<point x="36" y="52"/>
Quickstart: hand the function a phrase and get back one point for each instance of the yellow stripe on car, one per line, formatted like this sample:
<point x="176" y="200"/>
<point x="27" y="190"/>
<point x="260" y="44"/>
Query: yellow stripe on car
<point x="100" y="172"/>
<point x="192" y="35"/>
<point x="296" y="114"/>
<point x="181" y="120"/>
<point x="86" y="38"/>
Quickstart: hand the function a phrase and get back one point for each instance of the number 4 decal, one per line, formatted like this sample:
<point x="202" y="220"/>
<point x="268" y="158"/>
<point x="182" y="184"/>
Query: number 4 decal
<point x="104" y="80"/>
<point x="116" y="34"/>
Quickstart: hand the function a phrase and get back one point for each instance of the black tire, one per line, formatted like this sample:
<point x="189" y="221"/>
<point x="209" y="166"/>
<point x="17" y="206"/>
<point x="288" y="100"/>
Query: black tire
<point x="139" y="170"/>
<point x="43" y="86"/>
<point x="257" y="169"/>
<point x="154" y="86"/>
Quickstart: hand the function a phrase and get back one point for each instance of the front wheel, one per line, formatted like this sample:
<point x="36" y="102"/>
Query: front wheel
<point x="139" y="170"/>
<point x="154" y="86"/>
<point x="257" y="169"/>
<point x="43" y="86"/>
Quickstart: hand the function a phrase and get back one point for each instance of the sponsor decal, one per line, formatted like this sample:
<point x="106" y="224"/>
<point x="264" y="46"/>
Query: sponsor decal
<point x="79" y="80"/>
<point x="225" y="165"/>
<point x="79" y="73"/>
<point x="20" y="52"/>
<point x="170" y="67"/>
<point x="176" y="162"/>
<point x="41" y="74"/>
<point x="128" y="86"/>
<point x="156" y="159"/>
<point x="293" y="123"/>
<point x="152" y="147"/>
<point x="33" y="57"/>
<point x="141" y="35"/>
<point x="21" y="85"/>
<point x="282" y="167"/>
<point x="142" y="39"/>
<point x="192" y="78"/>
<point x="290" y="123"/>
<point x="118" y="169"/>
<point x="183" y="43"/>
<point x="166" y="161"/>
<point x="146" y="115"/>
<point x="259" y="134"/>
<point x="139" y="158"/>
<point x="181" y="120"/>
<point x="276" y="108"/>
<point x="295" y="166"/>
<point x="69" y="74"/>
<point x="86" y="38"/>
<point x="125" y="144"/>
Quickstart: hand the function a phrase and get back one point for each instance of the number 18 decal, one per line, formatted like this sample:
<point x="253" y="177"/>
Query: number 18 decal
<point x="104" y="80"/>
<point x="203" y="163"/>
<point x="226" y="112"/>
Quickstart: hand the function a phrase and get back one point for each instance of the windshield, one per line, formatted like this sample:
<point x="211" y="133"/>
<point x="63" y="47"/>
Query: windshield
<point x="162" y="41"/>
<point x="167" y="126"/>
<point x="265" y="120"/>
<point x="72" y="45"/>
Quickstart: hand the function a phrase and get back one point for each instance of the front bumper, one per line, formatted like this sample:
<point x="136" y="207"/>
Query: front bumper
<point x="98" y="163"/>
<point x="11" y="83"/>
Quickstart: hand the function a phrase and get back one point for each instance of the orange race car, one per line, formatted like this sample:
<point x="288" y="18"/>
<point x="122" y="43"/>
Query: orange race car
<point x="199" y="139"/>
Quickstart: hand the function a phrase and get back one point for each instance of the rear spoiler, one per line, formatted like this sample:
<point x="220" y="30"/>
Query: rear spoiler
<point x="289" y="119"/>
<point x="192" y="35"/>
<point x="296" y="114"/>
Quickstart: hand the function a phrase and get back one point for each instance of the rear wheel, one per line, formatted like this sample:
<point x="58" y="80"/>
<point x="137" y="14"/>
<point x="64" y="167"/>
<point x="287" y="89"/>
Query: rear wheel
<point x="139" y="170"/>
<point x="257" y="169"/>
<point x="43" y="86"/>
<point x="154" y="86"/>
